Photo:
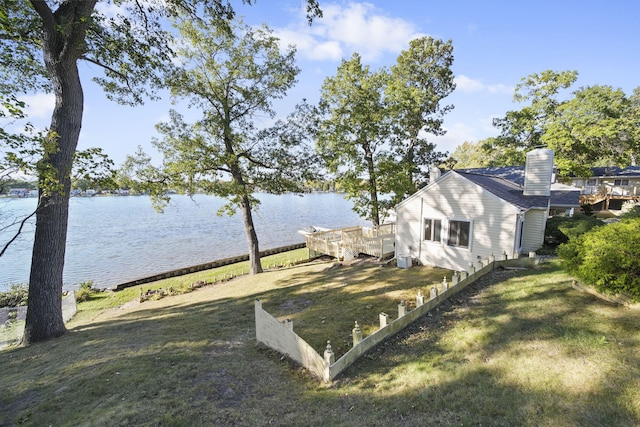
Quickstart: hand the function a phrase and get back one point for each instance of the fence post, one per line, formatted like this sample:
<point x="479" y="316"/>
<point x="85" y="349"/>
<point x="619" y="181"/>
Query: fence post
<point x="357" y="334"/>
<point x="419" y="298"/>
<point x="384" y="320"/>
<point x="402" y="309"/>
<point x="329" y="357"/>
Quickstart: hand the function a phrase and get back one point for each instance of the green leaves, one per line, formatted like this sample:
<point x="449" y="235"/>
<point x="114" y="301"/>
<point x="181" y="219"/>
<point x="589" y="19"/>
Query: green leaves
<point x="373" y="134"/>
<point x="607" y="257"/>
<point x="232" y="75"/>
<point x="594" y="126"/>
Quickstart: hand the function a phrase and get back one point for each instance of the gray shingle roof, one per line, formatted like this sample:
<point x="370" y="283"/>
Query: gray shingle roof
<point x="615" y="171"/>
<point x="515" y="175"/>
<point x="510" y="173"/>
<point x="507" y="190"/>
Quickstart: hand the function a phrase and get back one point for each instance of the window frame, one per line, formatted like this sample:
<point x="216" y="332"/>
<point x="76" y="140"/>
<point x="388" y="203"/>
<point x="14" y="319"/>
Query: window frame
<point x="621" y="182"/>
<point x="459" y="233"/>
<point x="435" y="231"/>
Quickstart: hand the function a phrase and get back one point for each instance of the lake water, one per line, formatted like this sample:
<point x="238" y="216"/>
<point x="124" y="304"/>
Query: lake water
<point x="112" y="240"/>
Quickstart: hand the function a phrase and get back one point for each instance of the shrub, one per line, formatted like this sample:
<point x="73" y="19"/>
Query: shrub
<point x="15" y="296"/>
<point x="607" y="257"/>
<point x="84" y="291"/>
<point x="631" y="211"/>
<point x="562" y="229"/>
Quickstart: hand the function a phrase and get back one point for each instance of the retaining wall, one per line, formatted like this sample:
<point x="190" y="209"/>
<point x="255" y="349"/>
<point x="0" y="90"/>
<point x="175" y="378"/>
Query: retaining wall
<point x="281" y="337"/>
<point x="206" y="266"/>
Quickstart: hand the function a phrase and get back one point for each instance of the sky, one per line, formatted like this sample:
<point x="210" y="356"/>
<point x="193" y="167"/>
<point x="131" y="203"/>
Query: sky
<point x="495" y="45"/>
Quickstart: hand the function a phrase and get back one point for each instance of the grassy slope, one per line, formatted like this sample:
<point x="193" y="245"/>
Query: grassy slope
<point x="526" y="350"/>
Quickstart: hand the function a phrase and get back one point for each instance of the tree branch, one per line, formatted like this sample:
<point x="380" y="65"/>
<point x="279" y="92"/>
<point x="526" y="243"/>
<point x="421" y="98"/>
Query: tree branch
<point x="45" y="13"/>
<point x="110" y="69"/>
<point x="22" y="223"/>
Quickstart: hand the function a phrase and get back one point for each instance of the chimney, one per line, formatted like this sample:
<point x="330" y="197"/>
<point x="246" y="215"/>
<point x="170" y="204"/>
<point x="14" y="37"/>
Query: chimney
<point x="434" y="173"/>
<point x="538" y="172"/>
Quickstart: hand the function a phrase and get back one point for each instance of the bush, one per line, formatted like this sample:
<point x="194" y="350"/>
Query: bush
<point x="562" y="229"/>
<point x="15" y="296"/>
<point x="631" y="211"/>
<point x="607" y="257"/>
<point x="85" y="291"/>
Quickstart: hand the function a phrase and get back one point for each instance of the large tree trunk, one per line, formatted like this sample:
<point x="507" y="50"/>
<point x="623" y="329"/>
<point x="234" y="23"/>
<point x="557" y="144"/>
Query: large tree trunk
<point x="61" y="48"/>
<point x="373" y="185"/>
<point x="255" y="266"/>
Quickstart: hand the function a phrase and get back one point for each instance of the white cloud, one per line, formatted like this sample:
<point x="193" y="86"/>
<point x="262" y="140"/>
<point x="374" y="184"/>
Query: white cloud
<point x="357" y="27"/>
<point x="109" y="9"/>
<point x="500" y="88"/>
<point x="467" y="85"/>
<point x="456" y="135"/>
<point x="39" y="106"/>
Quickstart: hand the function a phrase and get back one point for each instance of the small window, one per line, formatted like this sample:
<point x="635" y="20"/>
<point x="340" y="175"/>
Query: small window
<point x="432" y="229"/>
<point x="592" y="182"/>
<point x="621" y="182"/>
<point x="459" y="233"/>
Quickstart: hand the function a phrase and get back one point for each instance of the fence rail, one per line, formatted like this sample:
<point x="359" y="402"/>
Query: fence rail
<point x="281" y="337"/>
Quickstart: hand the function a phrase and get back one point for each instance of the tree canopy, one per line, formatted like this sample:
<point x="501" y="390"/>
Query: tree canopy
<point x="352" y="135"/>
<point x="592" y="126"/>
<point x="375" y="124"/>
<point x="419" y="80"/>
<point x="231" y="76"/>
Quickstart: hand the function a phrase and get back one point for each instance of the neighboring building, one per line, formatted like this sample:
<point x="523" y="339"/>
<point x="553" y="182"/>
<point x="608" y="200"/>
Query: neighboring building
<point x="22" y="192"/>
<point x="461" y="217"/>
<point x="608" y="187"/>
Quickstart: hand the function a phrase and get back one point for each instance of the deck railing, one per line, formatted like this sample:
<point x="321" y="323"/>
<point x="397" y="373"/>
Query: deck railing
<point x="378" y="242"/>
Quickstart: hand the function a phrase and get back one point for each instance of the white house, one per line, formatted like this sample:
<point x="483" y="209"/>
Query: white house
<point x="461" y="217"/>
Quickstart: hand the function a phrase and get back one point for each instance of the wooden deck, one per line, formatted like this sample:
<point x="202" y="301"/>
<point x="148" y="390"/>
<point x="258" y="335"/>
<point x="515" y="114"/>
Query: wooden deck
<point x="347" y="243"/>
<point x="606" y="197"/>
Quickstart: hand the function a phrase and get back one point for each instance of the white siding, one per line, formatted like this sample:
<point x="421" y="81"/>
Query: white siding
<point x="538" y="172"/>
<point x="453" y="197"/>
<point x="535" y="221"/>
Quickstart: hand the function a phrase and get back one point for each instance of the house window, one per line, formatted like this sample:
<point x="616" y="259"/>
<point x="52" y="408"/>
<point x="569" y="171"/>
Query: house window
<point x="620" y="182"/>
<point x="459" y="233"/>
<point x="592" y="182"/>
<point x="432" y="229"/>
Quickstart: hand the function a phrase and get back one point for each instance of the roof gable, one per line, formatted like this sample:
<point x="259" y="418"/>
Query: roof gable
<point x="503" y="189"/>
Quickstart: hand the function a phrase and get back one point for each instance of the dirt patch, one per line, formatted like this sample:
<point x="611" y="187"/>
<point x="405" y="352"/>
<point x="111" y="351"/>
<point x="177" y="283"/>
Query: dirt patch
<point x="295" y="305"/>
<point x="226" y="389"/>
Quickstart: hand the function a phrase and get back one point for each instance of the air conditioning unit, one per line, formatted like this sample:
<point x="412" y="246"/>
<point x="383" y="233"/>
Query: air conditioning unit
<point x="403" y="261"/>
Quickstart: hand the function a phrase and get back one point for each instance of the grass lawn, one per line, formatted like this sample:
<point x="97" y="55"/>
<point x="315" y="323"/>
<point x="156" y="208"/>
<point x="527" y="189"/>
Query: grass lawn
<point x="519" y="348"/>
